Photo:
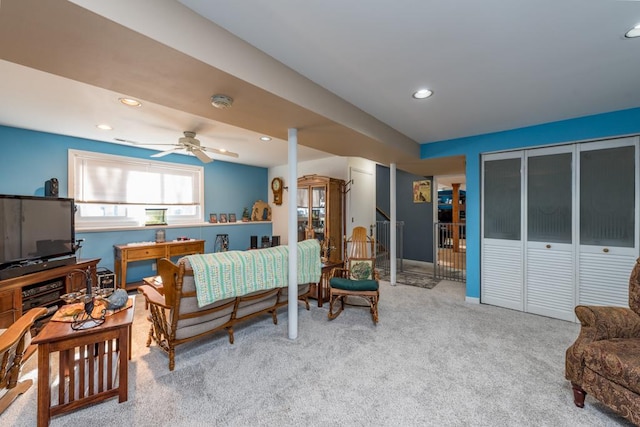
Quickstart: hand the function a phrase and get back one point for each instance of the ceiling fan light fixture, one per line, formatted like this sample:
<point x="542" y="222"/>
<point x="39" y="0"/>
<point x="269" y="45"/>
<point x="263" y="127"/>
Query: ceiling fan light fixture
<point x="221" y="101"/>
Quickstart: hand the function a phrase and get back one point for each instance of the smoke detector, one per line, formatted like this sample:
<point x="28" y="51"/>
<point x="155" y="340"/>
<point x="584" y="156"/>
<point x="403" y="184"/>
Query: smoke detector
<point x="221" y="101"/>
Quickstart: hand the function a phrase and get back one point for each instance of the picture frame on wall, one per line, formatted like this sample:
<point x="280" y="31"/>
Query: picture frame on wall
<point x="213" y="218"/>
<point x="232" y="217"/>
<point x="223" y="218"/>
<point x="422" y="191"/>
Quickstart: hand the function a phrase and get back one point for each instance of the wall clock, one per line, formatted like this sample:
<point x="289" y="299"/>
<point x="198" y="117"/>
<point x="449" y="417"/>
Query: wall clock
<point x="276" y="186"/>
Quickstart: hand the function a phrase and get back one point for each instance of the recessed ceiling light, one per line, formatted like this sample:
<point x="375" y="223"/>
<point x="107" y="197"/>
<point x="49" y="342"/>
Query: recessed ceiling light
<point x="634" y="32"/>
<point x="422" y="94"/>
<point x="104" y="126"/>
<point x="265" y="138"/>
<point x="130" y="102"/>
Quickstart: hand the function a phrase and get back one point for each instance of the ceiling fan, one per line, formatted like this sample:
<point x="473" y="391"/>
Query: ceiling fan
<point x="190" y="144"/>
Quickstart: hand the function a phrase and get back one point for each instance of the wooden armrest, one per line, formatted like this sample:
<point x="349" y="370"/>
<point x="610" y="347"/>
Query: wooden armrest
<point x="152" y="296"/>
<point x="339" y="272"/>
<point x="17" y="329"/>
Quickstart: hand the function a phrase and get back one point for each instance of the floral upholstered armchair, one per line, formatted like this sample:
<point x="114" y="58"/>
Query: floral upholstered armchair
<point x="604" y="361"/>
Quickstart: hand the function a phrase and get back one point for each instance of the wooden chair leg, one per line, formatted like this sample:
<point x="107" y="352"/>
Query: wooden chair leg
<point x="374" y="309"/>
<point x="172" y="358"/>
<point x="578" y="395"/>
<point x="230" y="332"/>
<point x="150" y="337"/>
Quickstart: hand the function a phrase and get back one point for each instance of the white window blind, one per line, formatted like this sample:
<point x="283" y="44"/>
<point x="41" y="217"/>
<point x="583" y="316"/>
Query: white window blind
<point x="100" y="178"/>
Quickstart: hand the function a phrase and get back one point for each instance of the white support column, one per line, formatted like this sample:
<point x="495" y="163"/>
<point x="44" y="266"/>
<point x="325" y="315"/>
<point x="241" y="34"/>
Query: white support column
<point x="392" y="226"/>
<point x="292" y="304"/>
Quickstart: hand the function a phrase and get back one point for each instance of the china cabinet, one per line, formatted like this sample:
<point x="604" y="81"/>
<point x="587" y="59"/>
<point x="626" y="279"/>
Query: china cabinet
<point x="320" y="202"/>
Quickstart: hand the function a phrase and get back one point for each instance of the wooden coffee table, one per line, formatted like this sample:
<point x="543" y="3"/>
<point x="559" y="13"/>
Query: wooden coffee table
<point x="93" y="364"/>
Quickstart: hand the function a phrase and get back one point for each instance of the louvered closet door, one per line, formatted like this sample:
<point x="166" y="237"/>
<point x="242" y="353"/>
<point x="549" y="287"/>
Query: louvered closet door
<point x="502" y="249"/>
<point x="608" y="218"/>
<point x="549" y="254"/>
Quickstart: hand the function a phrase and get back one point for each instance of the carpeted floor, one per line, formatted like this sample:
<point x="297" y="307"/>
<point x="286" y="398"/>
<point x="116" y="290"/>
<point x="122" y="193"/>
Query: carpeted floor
<point x="432" y="360"/>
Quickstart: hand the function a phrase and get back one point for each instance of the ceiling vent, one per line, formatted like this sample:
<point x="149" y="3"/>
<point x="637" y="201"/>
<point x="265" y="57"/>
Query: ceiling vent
<point x="221" y="101"/>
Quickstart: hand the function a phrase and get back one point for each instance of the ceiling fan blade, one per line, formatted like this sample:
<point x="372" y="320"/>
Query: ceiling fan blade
<point x="200" y="154"/>
<point x="145" y="143"/>
<point x="164" y="153"/>
<point x="221" y="152"/>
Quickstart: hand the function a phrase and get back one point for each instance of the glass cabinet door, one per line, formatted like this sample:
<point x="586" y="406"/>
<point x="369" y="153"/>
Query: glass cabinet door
<point x="318" y="195"/>
<point x="303" y="212"/>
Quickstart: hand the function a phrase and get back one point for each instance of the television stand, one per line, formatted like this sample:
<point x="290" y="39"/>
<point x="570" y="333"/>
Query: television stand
<point x="42" y="288"/>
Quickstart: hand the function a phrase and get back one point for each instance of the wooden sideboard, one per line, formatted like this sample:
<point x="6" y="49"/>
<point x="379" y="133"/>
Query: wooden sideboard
<point x="42" y="289"/>
<point x="124" y="254"/>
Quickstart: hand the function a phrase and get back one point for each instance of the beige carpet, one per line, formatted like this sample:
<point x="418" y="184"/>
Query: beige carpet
<point x="433" y="360"/>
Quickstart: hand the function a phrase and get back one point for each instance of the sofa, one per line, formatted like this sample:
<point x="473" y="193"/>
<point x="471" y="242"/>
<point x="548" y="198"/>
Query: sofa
<point x="178" y="316"/>
<point x="604" y="361"/>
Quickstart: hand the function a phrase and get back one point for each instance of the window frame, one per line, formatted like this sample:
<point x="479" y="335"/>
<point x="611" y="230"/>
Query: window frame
<point x="78" y="159"/>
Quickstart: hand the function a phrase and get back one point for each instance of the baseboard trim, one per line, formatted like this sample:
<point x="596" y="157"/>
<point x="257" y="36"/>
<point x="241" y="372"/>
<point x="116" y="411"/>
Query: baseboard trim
<point x="472" y="300"/>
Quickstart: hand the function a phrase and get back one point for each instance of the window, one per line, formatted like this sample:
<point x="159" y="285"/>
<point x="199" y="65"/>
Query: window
<point x="115" y="190"/>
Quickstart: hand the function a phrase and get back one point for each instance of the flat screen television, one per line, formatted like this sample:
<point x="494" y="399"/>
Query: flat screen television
<point x="35" y="229"/>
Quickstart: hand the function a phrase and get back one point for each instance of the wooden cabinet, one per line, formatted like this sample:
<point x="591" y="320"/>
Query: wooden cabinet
<point x="42" y="289"/>
<point x="320" y="202"/>
<point x="9" y="307"/>
<point x="124" y="254"/>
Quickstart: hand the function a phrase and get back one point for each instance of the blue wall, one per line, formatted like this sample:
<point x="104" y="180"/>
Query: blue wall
<point x="417" y="240"/>
<point x="608" y="125"/>
<point x="30" y="158"/>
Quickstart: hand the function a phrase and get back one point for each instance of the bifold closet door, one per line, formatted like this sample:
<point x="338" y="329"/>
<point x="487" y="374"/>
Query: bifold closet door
<point x="608" y="220"/>
<point x="549" y="254"/>
<point x="502" y="250"/>
<point x="560" y="226"/>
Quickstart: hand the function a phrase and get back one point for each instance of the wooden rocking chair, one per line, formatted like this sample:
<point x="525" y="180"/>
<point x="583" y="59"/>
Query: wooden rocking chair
<point x="359" y="278"/>
<point x="14" y="341"/>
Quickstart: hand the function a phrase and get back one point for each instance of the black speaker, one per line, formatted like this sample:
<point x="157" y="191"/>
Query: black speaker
<point x="275" y="240"/>
<point x="254" y="242"/>
<point x="51" y="187"/>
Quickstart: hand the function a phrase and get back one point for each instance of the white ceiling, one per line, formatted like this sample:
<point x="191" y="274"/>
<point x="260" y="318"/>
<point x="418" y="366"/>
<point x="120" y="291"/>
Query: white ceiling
<point x="493" y="65"/>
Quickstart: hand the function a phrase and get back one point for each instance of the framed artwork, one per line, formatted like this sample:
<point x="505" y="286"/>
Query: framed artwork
<point x="422" y="191"/>
<point x="361" y="268"/>
<point x="223" y="217"/>
<point x="232" y="217"/>
<point x="213" y="218"/>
